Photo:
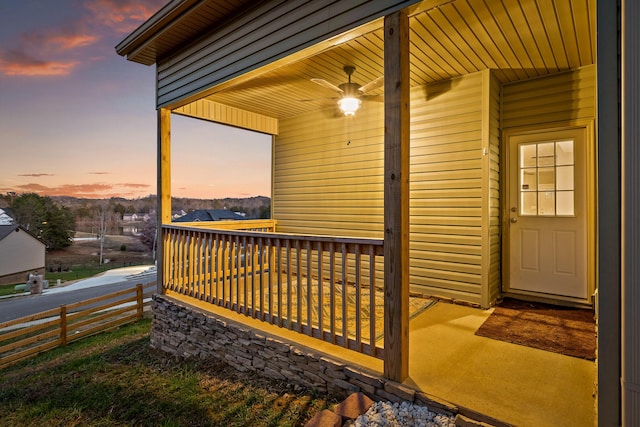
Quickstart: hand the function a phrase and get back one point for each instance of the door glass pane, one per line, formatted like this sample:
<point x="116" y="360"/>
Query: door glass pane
<point x="528" y="157"/>
<point x="565" y="203"/>
<point x="546" y="154"/>
<point x="529" y="203"/>
<point x="528" y="180"/>
<point x="564" y="178"/>
<point x="546" y="179"/>
<point x="564" y="153"/>
<point x="546" y="203"/>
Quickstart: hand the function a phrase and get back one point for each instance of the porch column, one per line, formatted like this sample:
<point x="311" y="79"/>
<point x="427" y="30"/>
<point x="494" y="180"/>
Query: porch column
<point x="630" y="214"/>
<point x="164" y="187"/>
<point x="609" y="216"/>
<point x="396" y="196"/>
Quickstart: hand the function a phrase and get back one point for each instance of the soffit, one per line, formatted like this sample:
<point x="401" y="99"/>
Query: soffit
<point x="177" y="24"/>
<point x="517" y="39"/>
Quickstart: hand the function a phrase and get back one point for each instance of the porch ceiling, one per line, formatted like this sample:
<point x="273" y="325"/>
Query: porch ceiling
<point x="517" y="39"/>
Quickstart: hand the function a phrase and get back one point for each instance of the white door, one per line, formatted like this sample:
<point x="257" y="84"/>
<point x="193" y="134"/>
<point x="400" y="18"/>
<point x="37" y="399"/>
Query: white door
<point x="547" y="213"/>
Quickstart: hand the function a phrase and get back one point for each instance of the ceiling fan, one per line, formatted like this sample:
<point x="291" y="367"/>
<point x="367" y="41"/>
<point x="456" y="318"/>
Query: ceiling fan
<point x="352" y="93"/>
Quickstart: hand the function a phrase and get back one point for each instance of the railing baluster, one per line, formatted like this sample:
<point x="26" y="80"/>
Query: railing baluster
<point x="258" y="259"/>
<point x="268" y="265"/>
<point x="358" y="301"/>
<point x="235" y="271"/>
<point x="345" y="297"/>
<point x="320" y="291"/>
<point x="243" y="260"/>
<point x="298" y="286"/>
<point x="289" y="314"/>
<point x="372" y="299"/>
<point x="278" y="271"/>
<point x="332" y="290"/>
<point x="309" y="289"/>
<point x="224" y="259"/>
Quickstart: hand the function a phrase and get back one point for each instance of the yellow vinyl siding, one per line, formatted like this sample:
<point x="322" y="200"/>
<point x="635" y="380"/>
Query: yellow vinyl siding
<point x="446" y="188"/>
<point x="215" y="112"/>
<point x="324" y="185"/>
<point x="492" y="261"/>
<point x="559" y="98"/>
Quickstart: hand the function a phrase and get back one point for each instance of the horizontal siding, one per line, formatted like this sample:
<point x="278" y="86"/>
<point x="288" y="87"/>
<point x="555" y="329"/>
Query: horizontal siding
<point x="272" y="30"/>
<point x="558" y="98"/>
<point x="446" y="189"/>
<point x="493" y="287"/>
<point x="324" y="185"/>
<point x="214" y="112"/>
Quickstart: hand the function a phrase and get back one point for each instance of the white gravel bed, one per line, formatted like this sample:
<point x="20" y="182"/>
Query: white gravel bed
<point x="387" y="414"/>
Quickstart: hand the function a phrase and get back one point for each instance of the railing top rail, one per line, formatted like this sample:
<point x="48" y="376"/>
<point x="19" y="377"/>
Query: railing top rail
<point x="281" y="236"/>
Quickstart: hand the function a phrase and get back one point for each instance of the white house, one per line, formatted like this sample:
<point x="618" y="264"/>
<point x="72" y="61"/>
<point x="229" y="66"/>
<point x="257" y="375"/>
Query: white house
<point x="21" y="253"/>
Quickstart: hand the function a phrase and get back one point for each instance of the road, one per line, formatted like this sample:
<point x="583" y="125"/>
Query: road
<point x="16" y="307"/>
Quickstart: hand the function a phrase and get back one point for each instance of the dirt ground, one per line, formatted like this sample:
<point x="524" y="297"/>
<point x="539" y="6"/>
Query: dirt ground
<point x="118" y="250"/>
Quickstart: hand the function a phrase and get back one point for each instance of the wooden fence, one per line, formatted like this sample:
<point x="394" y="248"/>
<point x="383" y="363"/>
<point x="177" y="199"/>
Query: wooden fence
<point x="30" y="335"/>
<point x="325" y="287"/>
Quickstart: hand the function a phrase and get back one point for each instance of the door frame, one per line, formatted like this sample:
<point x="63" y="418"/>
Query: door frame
<point x="591" y="196"/>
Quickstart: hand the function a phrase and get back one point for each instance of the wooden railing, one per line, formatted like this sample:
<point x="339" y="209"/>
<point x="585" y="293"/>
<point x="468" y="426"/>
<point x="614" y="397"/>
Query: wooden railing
<point x="325" y="287"/>
<point x="30" y="335"/>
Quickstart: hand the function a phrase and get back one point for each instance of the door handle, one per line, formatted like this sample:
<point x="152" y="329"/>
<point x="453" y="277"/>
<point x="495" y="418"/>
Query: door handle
<point x="514" y="219"/>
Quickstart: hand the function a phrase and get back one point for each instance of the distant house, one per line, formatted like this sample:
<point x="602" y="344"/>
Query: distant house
<point x="210" y="215"/>
<point x="135" y="217"/>
<point x="5" y="217"/>
<point x="177" y="214"/>
<point x="20" y="254"/>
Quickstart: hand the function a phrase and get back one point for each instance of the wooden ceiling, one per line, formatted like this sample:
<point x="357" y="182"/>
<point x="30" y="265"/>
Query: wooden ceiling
<point x="517" y="39"/>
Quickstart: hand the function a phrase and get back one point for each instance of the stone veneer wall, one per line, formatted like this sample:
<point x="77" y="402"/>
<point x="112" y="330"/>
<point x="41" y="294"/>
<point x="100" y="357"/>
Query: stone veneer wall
<point x="188" y="332"/>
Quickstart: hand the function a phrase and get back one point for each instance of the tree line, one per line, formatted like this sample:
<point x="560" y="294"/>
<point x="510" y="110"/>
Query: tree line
<point x="55" y="220"/>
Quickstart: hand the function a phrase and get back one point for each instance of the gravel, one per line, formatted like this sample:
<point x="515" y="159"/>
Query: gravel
<point x="387" y="414"/>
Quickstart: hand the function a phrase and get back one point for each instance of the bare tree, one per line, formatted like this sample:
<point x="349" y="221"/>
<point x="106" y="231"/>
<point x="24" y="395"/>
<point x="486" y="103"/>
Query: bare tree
<point x="105" y="220"/>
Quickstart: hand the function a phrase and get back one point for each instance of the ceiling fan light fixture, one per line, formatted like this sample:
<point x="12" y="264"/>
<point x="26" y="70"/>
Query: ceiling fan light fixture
<point x="349" y="105"/>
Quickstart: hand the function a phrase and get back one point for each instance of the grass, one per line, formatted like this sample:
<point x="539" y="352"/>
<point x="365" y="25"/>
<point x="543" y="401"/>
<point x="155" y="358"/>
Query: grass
<point x="116" y="379"/>
<point x="7" y="290"/>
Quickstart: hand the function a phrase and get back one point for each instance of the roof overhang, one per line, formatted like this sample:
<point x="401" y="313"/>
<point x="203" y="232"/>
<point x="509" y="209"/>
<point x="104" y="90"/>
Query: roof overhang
<point x="177" y="23"/>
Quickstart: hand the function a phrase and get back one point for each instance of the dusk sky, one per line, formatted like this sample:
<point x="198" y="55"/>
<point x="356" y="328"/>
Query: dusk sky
<point x="77" y="119"/>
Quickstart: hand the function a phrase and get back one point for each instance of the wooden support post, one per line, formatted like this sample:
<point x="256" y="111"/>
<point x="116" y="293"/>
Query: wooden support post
<point x="164" y="188"/>
<point x="139" y="301"/>
<point x="396" y="196"/>
<point x="63" y="325"/>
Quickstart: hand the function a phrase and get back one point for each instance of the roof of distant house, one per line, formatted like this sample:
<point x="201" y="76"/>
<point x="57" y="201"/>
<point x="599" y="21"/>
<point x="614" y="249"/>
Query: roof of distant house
<point x="209" y="215"/>
<point x="6" y="216"/>
<point x="5" y="230"/>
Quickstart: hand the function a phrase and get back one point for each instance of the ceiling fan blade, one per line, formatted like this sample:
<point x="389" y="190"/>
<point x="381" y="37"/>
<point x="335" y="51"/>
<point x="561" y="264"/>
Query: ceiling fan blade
<point x="375" y="84"/>
<point x="326" y="84"/>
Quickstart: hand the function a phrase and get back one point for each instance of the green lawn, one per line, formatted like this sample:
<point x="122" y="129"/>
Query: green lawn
<point x="116" y="379"/>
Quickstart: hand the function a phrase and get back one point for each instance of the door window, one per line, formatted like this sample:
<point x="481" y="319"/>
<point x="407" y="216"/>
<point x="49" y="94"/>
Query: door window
<point x="546" y="173"/>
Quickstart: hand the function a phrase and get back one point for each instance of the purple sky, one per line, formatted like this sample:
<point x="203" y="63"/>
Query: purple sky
<point x="76" y="119"/>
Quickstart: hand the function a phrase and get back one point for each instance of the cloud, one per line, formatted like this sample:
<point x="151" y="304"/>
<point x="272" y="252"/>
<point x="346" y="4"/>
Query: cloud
<point x="122" y="16"/>
<point x="132" y="185"/>
<point x="59" y="51"/>
<point x="99" y="173"/>
<point x="36" y="175"/>
<point x="19" y="63"/>
<point x="95" y="190"/>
